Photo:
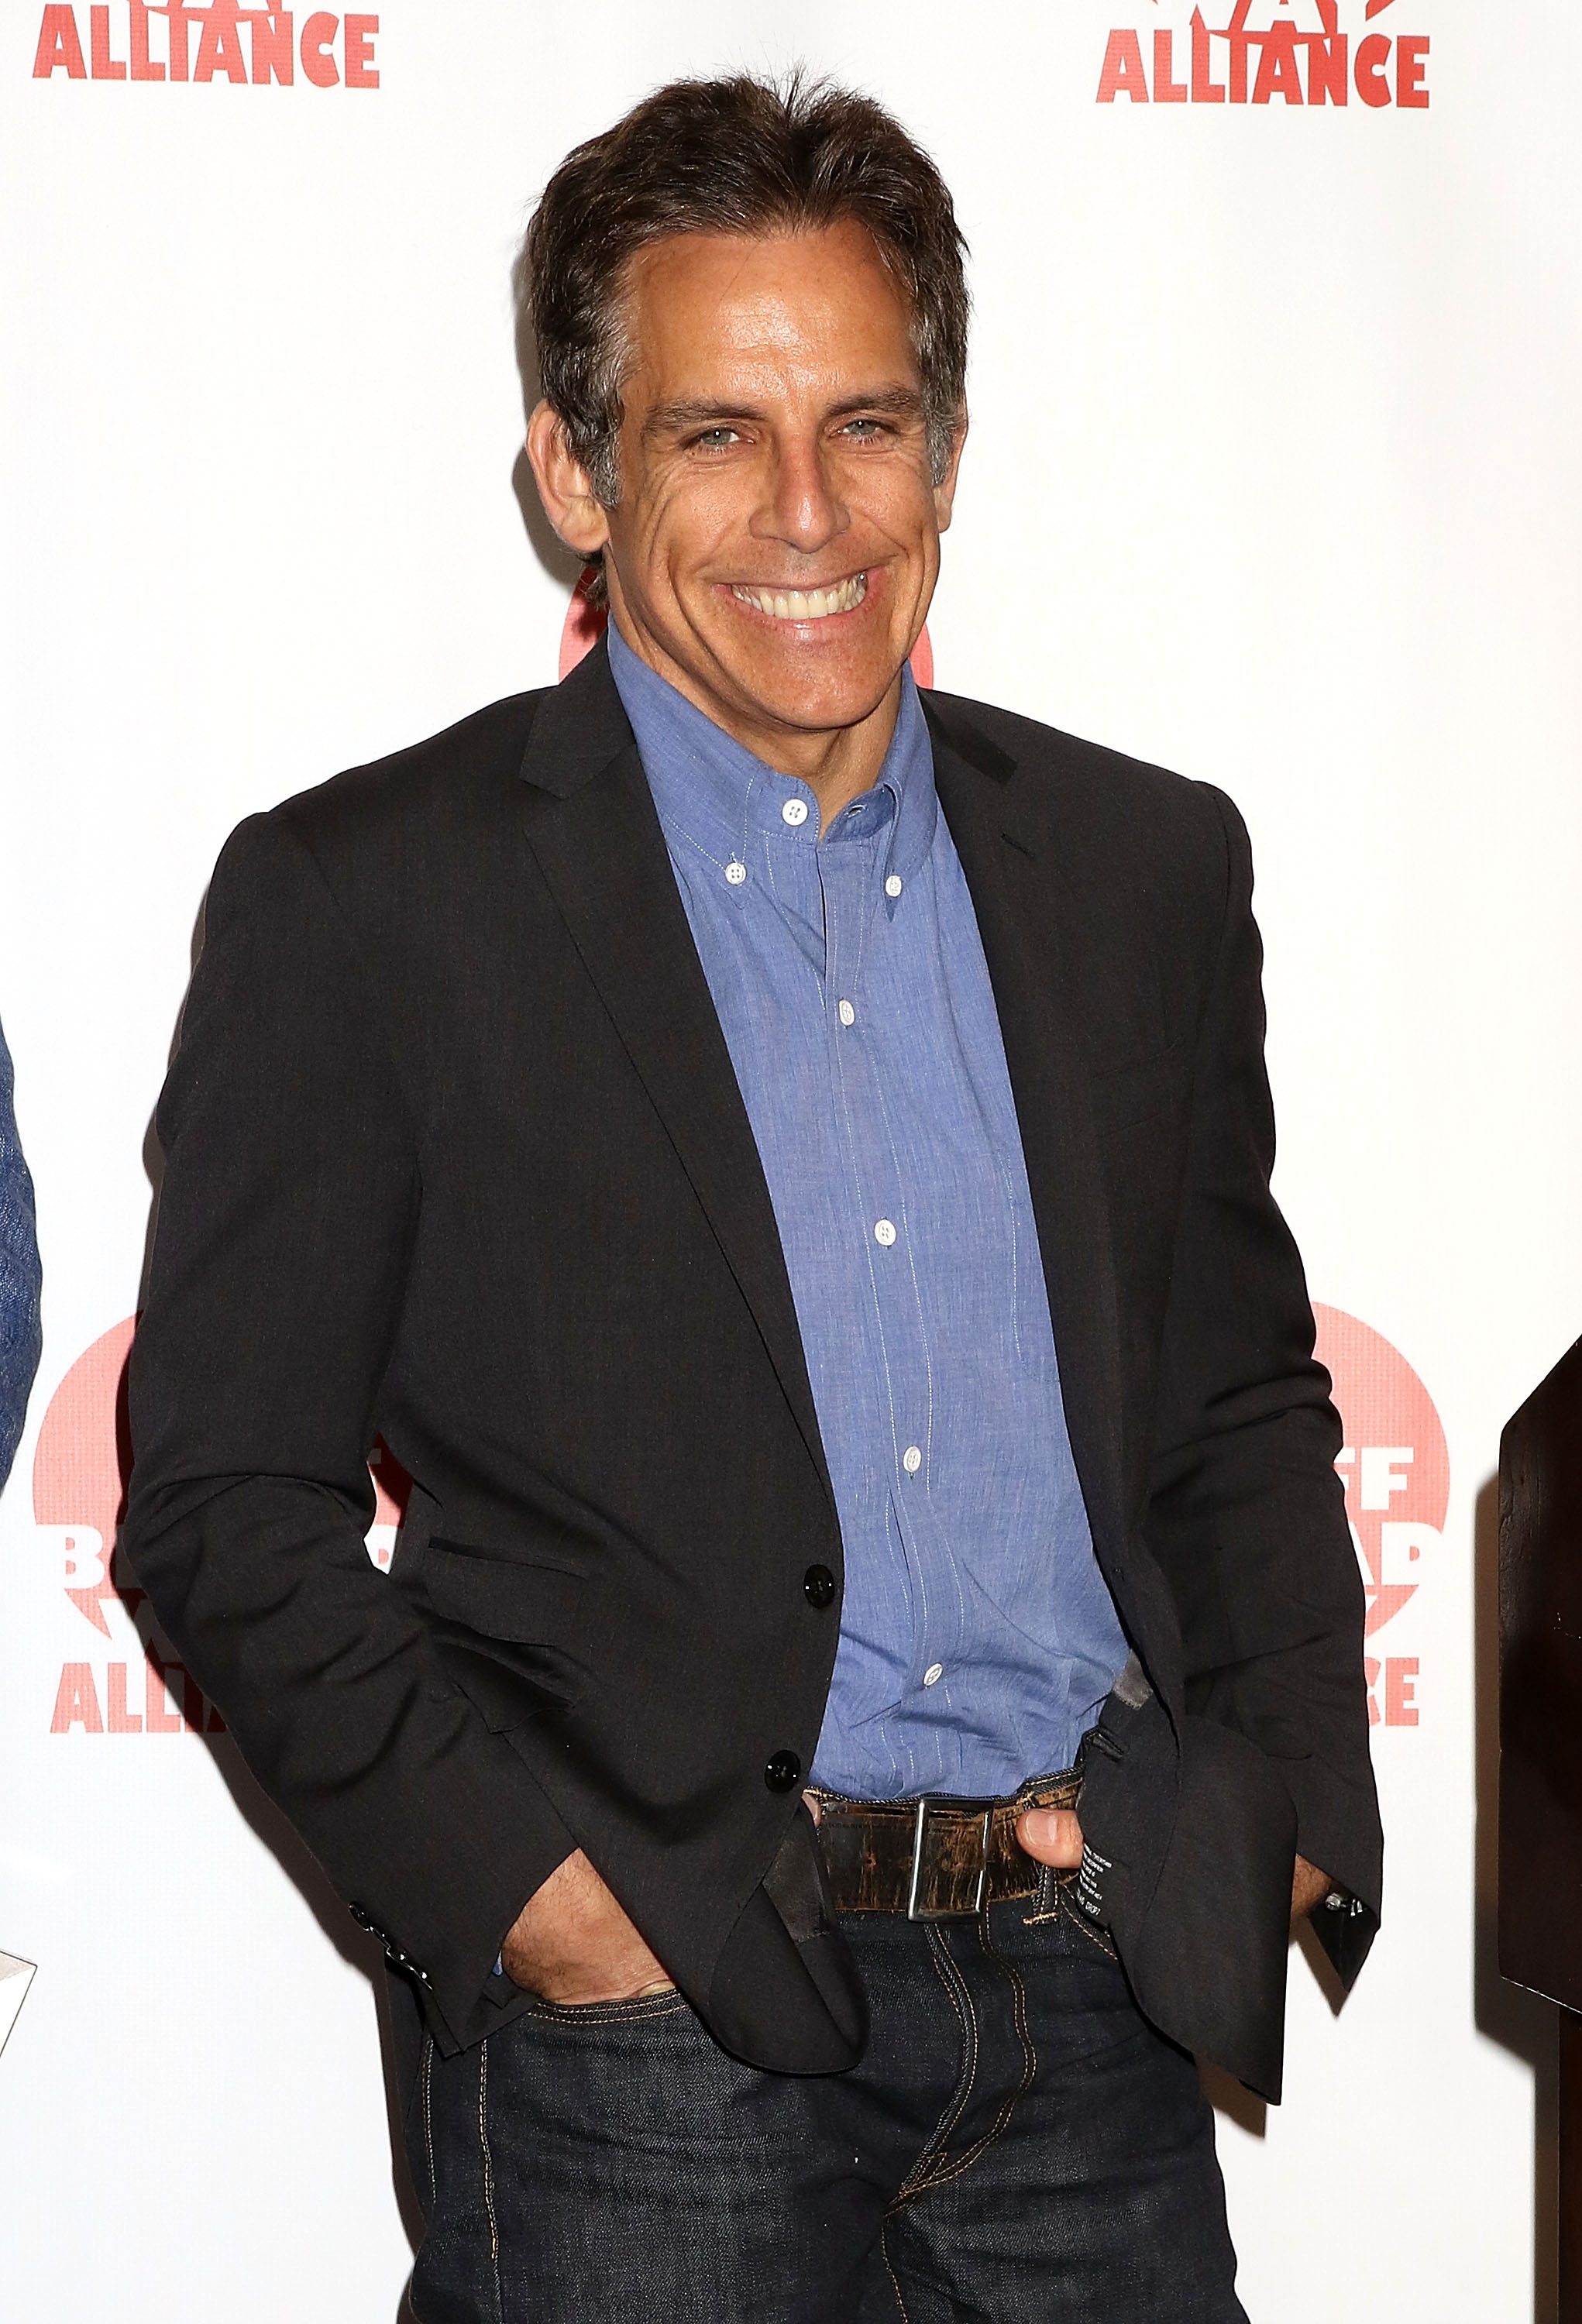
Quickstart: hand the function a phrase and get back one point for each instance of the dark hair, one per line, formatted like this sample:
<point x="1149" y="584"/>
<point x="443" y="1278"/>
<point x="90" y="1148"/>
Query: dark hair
<point x="733" y="156"/>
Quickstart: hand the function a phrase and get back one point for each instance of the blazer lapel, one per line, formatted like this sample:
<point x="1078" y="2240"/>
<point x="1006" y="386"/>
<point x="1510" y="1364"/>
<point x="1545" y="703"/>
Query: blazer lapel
<point x="595" y="832"/>
<point x="1016" y="892"/>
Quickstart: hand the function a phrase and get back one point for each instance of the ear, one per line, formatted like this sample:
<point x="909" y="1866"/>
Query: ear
<point x="570" y="502"/>
<point x="945" y="491"/>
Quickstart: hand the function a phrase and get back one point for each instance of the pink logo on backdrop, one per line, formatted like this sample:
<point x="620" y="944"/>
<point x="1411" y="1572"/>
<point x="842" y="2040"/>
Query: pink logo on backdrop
<point x="1302" y="52"/>
<point x="260" y="46"/>
<point x="124" y="1685"/>
<point x="585" y="624"/>
<point x="1395" y="1465"/>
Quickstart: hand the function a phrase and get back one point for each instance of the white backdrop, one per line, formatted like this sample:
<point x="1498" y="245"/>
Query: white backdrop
<point x="1273" y="476"/>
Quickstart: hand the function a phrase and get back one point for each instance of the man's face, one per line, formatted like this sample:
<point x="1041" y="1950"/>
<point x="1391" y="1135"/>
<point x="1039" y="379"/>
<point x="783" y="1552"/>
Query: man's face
<point x="777" y="539"/>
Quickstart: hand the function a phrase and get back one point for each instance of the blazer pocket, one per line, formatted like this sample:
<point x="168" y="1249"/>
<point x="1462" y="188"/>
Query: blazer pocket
<point x="1218" y="1931"/>
<point x="508" y="1632"/>
<point x="504" y="1597"/>
<point x="1190" y="1844"/>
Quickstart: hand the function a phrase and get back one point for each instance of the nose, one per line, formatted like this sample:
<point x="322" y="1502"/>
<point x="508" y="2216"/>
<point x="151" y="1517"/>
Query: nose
<point x="800" y="506"/>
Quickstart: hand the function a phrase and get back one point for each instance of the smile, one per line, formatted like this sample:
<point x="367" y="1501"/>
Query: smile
<point x="806" y="604"/>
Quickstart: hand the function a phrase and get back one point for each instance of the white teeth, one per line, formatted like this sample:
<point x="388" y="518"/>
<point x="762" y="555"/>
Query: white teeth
<point x="807" y="604"/>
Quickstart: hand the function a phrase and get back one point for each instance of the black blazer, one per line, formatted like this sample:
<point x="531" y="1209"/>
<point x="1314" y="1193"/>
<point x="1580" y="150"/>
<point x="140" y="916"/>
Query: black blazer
<point x="455" y="1156"/>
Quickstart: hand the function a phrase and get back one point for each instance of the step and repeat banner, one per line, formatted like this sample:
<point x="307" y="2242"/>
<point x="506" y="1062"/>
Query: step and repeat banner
<point x="1273" y="478"/>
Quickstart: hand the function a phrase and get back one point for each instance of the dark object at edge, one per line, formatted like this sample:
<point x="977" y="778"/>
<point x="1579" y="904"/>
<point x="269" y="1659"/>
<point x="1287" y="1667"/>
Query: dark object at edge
<point x="1541" y="1689"/>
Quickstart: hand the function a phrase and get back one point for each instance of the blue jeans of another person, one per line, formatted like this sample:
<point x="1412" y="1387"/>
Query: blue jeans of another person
<point x="19" y="1276"/>
<point x="1017" y="2145"/>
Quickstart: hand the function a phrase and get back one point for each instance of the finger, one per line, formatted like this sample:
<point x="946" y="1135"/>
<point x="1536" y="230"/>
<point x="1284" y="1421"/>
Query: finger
<point x="1308" y="1888"/>
<point x="1051" y="1836"/>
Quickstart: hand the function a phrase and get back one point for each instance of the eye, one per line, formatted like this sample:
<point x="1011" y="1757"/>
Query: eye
<point x="864" y="431"/>
<point x="715" y="440"/>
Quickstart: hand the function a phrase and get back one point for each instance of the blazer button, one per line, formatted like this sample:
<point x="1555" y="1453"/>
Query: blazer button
<point x="819" y="1586"/>
<point x="783" y="1770"/>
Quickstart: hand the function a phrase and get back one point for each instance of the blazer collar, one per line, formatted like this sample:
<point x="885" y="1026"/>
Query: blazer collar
<point x="594" y="830"/>
<point x="578" y="728"/>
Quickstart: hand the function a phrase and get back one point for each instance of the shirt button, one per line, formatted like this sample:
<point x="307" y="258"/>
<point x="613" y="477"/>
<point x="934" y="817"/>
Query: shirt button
<point x="794" y="811"/>
<point x="849" y="1015"/>
<point x="884" y="1231"/>
<point x="782" y="1771"/>
<point x="911" y="1460"/>
<point x="893" y="885"/>
<point x="736" y="873"/>
<point x="935" y="1672"/>
<point x="819" y="1586"/>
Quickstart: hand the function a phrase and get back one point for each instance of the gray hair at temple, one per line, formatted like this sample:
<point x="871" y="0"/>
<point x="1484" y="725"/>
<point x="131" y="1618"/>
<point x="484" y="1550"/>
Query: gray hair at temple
<point x="733" y="156"/>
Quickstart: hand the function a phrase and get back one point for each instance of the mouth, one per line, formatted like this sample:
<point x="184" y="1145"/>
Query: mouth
<point x="805" y="605"/>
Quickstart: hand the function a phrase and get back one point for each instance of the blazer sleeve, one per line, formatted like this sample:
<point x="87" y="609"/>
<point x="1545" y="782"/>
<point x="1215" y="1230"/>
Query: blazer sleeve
<point x="1247" y="1513"/>
<point x="290" y="1201"/>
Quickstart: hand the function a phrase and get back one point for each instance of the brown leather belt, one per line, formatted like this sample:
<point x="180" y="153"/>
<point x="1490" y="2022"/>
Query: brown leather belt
<point x="933" y="1858"/>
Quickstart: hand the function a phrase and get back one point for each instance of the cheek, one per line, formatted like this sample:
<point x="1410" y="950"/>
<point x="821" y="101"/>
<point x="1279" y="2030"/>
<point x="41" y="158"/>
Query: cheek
<point x="898" y="504"/>
<point x="689" y="524"/>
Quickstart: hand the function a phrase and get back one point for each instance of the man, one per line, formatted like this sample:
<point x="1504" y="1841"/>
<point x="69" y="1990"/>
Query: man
<point x="784" y="1166"/>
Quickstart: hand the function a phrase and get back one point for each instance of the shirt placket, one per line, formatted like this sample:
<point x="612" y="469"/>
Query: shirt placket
<point x="897" y="1338"/>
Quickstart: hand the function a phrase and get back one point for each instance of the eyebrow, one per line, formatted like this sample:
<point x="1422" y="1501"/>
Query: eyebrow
<point x="672" y="419"/>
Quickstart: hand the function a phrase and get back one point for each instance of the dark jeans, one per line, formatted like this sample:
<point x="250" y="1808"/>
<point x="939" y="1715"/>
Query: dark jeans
<point x="1016" y="2144"/>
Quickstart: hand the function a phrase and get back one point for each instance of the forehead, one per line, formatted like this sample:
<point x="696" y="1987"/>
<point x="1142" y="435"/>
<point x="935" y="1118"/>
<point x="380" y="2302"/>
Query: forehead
<point x="824" y="303"/>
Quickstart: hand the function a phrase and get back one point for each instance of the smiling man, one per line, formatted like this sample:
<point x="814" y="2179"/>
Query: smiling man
<point x="773" y="554"/>
<point x="871" y="1664"/>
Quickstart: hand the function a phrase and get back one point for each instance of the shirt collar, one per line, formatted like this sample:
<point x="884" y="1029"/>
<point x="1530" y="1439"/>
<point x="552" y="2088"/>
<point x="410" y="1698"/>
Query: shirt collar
<point x="710" y="790"/>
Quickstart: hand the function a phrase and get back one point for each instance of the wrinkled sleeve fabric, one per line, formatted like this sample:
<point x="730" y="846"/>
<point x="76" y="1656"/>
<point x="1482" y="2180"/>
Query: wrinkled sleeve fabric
<point x="21" y="1341"/>
<point x="1247" y="1513"/>
<point x="291" y="1199"/>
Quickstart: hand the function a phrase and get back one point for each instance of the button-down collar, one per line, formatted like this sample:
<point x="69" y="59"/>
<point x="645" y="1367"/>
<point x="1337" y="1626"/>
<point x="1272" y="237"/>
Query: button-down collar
<point x="727" y="802"/>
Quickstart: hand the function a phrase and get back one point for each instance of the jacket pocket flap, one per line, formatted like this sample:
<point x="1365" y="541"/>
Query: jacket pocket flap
<point x="504" y="1597"/>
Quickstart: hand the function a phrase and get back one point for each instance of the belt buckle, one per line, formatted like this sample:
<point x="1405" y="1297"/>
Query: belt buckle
<point x="936" y="1841"/>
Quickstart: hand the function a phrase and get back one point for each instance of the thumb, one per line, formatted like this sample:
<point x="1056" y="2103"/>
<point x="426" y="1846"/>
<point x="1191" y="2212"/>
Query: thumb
<point x="1051" y="1836"/>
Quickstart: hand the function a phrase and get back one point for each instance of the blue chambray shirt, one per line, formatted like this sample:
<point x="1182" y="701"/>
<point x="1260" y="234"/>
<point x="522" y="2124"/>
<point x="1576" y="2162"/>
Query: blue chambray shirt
<point x="978" y="1639"/>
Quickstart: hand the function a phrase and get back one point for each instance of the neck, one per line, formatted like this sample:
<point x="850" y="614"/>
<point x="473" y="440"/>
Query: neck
<point x="838" y="763"/>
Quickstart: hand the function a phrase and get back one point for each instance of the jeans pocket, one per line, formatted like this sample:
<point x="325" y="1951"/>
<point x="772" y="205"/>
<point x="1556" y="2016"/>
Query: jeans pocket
<point x="665" y="2001"/>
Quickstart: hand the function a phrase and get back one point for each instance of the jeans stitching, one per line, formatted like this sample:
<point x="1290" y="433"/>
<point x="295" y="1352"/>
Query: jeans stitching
<point x="980" y="2147"/>
<point x="889" y="2269"/>
<point x="922" y="2173"/>
<point x="1049" y="1904"/>
<point x="488" y="2163"/>
<point x="426" y="2080"/>
<point x="1024" y="2034"/>
<point x="969" y="2016"/>
<point x="611" y="2013"/>
<point x="1080" y="1923"/>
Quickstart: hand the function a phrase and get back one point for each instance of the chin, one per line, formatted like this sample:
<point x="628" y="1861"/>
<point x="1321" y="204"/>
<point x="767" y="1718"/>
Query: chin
<point x="811" y="712"/>
<point x="806" y="697"/>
